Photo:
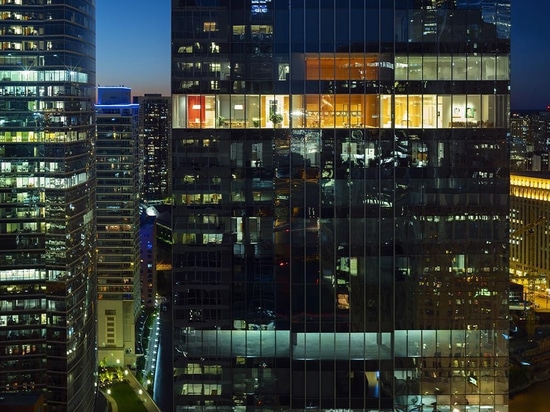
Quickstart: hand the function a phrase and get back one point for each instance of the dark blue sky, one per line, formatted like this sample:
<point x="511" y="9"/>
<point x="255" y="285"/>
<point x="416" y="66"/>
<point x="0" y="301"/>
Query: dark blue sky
<point x="133" y="45"/>
<point x="530" y="54"/>
<point x="133" y="48"/>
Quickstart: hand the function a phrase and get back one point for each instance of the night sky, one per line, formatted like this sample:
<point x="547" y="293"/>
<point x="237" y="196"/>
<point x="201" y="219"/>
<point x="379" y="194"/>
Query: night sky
<point x="133" y="45"/>
<point x="530" y="54"/>
<point x="133" y="48"/>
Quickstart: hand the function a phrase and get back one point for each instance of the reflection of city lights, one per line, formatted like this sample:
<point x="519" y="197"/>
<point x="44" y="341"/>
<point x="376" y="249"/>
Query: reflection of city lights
<point x="108" y="391"/>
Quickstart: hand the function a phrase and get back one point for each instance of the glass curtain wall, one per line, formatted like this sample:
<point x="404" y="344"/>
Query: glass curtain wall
<point x="47" y="197"/>
<point x="341" y="197"/>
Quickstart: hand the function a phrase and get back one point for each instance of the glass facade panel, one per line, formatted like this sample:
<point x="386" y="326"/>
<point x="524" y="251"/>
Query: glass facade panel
<point x="459" y="67"/>
<point x="429" y="67"/>
<point x="474" y="67"/>
<point x="415" y="67"/>
<point x="444" y="68"/>
<point x="503" y="68"/>
<point x="488" y="68"/>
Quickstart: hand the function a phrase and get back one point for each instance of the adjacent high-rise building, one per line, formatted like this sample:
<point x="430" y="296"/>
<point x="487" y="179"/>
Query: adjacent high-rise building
<point x="155" y="137"/>
<point x="148" y="255"/>
<point x="529" y="217"/>
<point x="118" y="224"/>
<point x="47" y="198"/>
<point x="341" y="180"/>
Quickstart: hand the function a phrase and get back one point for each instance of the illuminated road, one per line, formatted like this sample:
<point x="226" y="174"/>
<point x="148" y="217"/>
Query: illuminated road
<point x="152" y="348"/>
<point x="142" y="393"/>
<point x="163" y="373"/>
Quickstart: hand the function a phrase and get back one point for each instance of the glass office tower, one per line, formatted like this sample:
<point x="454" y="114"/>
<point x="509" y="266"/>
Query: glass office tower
<point x="47" y="197"/>
<point x="341" y="196"/>
<point x="118" y="223"/>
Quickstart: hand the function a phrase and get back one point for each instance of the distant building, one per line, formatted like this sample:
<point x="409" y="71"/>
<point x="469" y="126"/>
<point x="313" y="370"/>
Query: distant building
<point x="519" y="126"/>
<point x="155" y="138"/>
<point x="47" y="202"/>
<point x="529" y="231"/>
<point x="148" y="253"/>
<point x="118" y="223"/>
<point x="539" y="130"/>
<point x="539" y="161"/>
<point x="530" y="141"/>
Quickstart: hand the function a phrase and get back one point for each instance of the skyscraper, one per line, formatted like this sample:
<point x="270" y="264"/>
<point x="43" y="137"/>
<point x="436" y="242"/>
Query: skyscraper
<point x="155" y="137"/>
<point x="529" y="216"/>
<point x="341" y="188"/>
<point x="47" y="198"/>
<point x="148" y="255"/>
<point x="118" y="263"/>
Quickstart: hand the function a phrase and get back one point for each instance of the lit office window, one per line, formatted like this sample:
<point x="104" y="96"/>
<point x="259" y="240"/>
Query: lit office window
<point x="209" y="26"/>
